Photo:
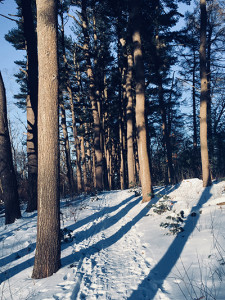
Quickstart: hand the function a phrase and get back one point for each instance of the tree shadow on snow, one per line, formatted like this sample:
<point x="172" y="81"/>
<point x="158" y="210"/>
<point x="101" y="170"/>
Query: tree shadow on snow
<point x="98" y="214"/>
<point x="78" y="257"/>
<point x="128" y="204"/>
<point x="107" y="222"/>
<point x="107" y="242"/>
<point x="8" y="273"/>
<point x="19" y="227"/>
<point x="17" y="255"/>
<point x="154" y="281"/>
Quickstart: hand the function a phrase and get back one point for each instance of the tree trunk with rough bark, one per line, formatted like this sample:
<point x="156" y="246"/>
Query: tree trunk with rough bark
<point x="203" y="97"/>
<point x="92" y="97"/>
<point x="166" y="138"/>
<point x="8" y="182"/>
<point x="83" y="163"/>
<point x="32" y="159"/>
<point x="143" y="159"/>
<point x="67" y="150"/>
<point x="88" y="157"/>
<point x="129" y="115"/>
<point x="195" y="149"/>
<point x="47" y="256"/>
<point x="209" y="98"/>
<point x="71" y="98"/>
<point x="76" y="143"/>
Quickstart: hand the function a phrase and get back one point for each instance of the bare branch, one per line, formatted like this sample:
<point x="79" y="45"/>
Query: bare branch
<point x="10" y="18"/>
<point x="189" y="84"/>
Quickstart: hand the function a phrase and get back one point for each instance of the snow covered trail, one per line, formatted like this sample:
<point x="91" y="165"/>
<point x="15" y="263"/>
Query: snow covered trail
<point x="109" y="261"/>
<point x="117" y="249"/>
<point x="105" y="259"/>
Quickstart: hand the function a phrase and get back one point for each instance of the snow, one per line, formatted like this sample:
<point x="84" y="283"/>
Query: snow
<point x="120" y="248"/>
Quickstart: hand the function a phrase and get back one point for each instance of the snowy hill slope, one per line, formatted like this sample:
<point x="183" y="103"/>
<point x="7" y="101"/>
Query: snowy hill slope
<point x="115" y="247"/>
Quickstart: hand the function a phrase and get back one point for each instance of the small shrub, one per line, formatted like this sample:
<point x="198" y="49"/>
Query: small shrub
<point x="66" y="235"/>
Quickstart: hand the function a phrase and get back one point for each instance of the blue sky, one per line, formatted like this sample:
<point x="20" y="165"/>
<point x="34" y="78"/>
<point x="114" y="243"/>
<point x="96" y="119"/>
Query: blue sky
<point x="7" y="66"/>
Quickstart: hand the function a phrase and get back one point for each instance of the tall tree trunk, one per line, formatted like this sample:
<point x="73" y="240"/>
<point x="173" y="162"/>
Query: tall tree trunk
<point x="94" y="168"/>
<point x="194" y="105"/>
<point x="8" y="182"/>
<point x="95" y="114"/>
<point x="137" y="167"/>
<point x="170" y="173"/>
<point x="143" y="159"/>
<point x="121" y="71"/>
<point x="209" y="99"/>
<point x="32" y="102"/>
<point x="76" y="143"/>
<point x="129" y="115"/>
<point x="109" y="166"/>
<point x="72" y="108"/>
<point x="122" y="171"/>
<point x="31" y="157"/>
<point x="47" y="257"/>
<point x="104" y="134"/>
<point x="203" y="97"/>
<point x="114" y="166"/>
<point x="83" y="162"/>
<point x="195" y="151"/>
<point x="89" y="161"/>
<point x="67" y="150"/>
<point x="166" y="138"/>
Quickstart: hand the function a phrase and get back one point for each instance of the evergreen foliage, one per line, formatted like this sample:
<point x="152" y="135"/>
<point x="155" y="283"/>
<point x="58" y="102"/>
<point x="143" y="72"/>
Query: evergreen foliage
<point x="173" y="135"/>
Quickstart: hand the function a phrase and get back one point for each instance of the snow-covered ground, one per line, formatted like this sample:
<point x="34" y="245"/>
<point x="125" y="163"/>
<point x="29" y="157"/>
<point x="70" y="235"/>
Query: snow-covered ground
<point x="115" y="247"/>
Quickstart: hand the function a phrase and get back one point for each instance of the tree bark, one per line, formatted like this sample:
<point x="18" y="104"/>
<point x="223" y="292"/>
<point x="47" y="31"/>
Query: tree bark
<point x="121" y="72"/>
<point x="209" y="98"/>
<point x="83" y="163"/>
<point x="8" y="182"/>
<point x="129" y="115"/>
<point x="122" y="171"/>
<point x="67" y="150"/>
<point x="194" y="105"/>
<point x="76" y="143"/>
<point x="195" y="150"/>
<point x="32" y="158"/>
<point x="143" y="159"/>
<point x="95" y="114"/>
<point x="166" y="138"/>
<point x="170" y="173"/>
<point x="109" y="166"/>
<point x="70" y="93"/>
<point x="203" y="97"/>
<point x="105" y="133"/>
<point x="47" y="256"/>
<point x="89" y="161"/>
<point x="94" y="167"/>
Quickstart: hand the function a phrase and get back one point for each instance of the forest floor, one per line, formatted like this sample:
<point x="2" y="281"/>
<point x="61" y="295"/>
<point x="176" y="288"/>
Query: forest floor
<point x="115" y="247"/>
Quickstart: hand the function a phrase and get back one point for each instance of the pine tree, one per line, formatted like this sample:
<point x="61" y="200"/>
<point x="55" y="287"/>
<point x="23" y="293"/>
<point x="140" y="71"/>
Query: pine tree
<point x="23" y="37"/>
<point x="32" y="100"/>
<point x="140" y="103"/>
<point x="129" y="116"/>
<point x="92" y="96"/>
<point x="8" y="179"/>
<point x="47" y="256"/>
<point x="190" y="72"/>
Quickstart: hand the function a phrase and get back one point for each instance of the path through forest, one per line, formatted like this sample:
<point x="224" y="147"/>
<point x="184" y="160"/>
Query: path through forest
<point x="114" y="248"/>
